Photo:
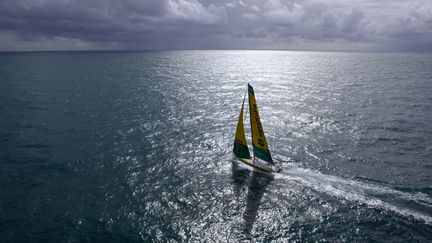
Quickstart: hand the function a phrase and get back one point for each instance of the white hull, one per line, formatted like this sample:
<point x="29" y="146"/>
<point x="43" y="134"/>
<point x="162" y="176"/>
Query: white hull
<point x="259" y="164"/>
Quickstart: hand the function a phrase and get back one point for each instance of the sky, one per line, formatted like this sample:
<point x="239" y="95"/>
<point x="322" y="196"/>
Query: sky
<point x="341" y="25"/>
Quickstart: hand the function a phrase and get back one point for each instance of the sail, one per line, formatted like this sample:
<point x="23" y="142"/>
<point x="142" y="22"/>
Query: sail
<point x="259" y="142"/>
<point x="240" y="145"/>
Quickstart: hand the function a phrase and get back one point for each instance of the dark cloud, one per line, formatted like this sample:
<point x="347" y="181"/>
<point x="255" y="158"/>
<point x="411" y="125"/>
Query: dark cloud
<point x="205" y="24"/>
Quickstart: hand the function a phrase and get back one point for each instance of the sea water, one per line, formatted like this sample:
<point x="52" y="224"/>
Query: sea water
<point x="136" y="146"/>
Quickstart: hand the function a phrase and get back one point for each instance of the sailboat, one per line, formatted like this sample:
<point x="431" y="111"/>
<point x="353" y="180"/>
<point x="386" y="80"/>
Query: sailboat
<point x="262" y="159"/>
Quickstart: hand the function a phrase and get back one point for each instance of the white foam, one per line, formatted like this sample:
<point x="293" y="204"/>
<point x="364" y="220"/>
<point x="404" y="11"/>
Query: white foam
<point x="358" y="191"/>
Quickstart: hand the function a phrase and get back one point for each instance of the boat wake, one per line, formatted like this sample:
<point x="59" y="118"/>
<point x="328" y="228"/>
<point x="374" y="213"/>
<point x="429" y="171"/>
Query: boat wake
<point x="372" y="195"/>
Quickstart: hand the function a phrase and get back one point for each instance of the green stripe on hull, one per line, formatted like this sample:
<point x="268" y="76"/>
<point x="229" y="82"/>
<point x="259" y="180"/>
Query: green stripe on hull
<point x="241" y="151"/>
<point x="263" y="154"/>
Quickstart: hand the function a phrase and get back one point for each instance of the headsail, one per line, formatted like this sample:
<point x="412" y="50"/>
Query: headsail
<point x="259" y="142"/>
<point x="240" y="145"/>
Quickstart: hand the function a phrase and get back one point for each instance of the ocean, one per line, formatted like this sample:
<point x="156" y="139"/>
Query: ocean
<point x="137" y="147"/>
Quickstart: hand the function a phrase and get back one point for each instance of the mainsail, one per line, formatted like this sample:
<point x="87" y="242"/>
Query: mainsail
<point x="240" y="145"/>
<point x="259" y="142"/>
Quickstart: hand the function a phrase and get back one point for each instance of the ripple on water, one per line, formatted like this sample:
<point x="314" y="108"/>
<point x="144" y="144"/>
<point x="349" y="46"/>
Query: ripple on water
<point x="136" y="146"/>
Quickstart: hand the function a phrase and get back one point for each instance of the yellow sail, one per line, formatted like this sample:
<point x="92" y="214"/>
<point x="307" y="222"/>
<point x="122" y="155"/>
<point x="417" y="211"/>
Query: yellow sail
<point x="240" y="144"/>
<point x="259" y="142"/>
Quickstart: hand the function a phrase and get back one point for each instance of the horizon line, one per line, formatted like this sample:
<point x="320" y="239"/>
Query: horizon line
<point x="157" y="50"/>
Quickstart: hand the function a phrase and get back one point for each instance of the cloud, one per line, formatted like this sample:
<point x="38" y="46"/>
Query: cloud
<point x="282" y="14"/>
<point x="194" y="11"/>
<point x="197" y="24"/>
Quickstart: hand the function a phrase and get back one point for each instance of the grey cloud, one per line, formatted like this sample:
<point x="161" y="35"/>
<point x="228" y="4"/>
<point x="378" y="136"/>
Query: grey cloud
<point x="197" y="24"/>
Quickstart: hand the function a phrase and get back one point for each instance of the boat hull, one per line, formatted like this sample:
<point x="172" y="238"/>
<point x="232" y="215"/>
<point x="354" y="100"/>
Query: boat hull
<point x="256" y="164"/>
